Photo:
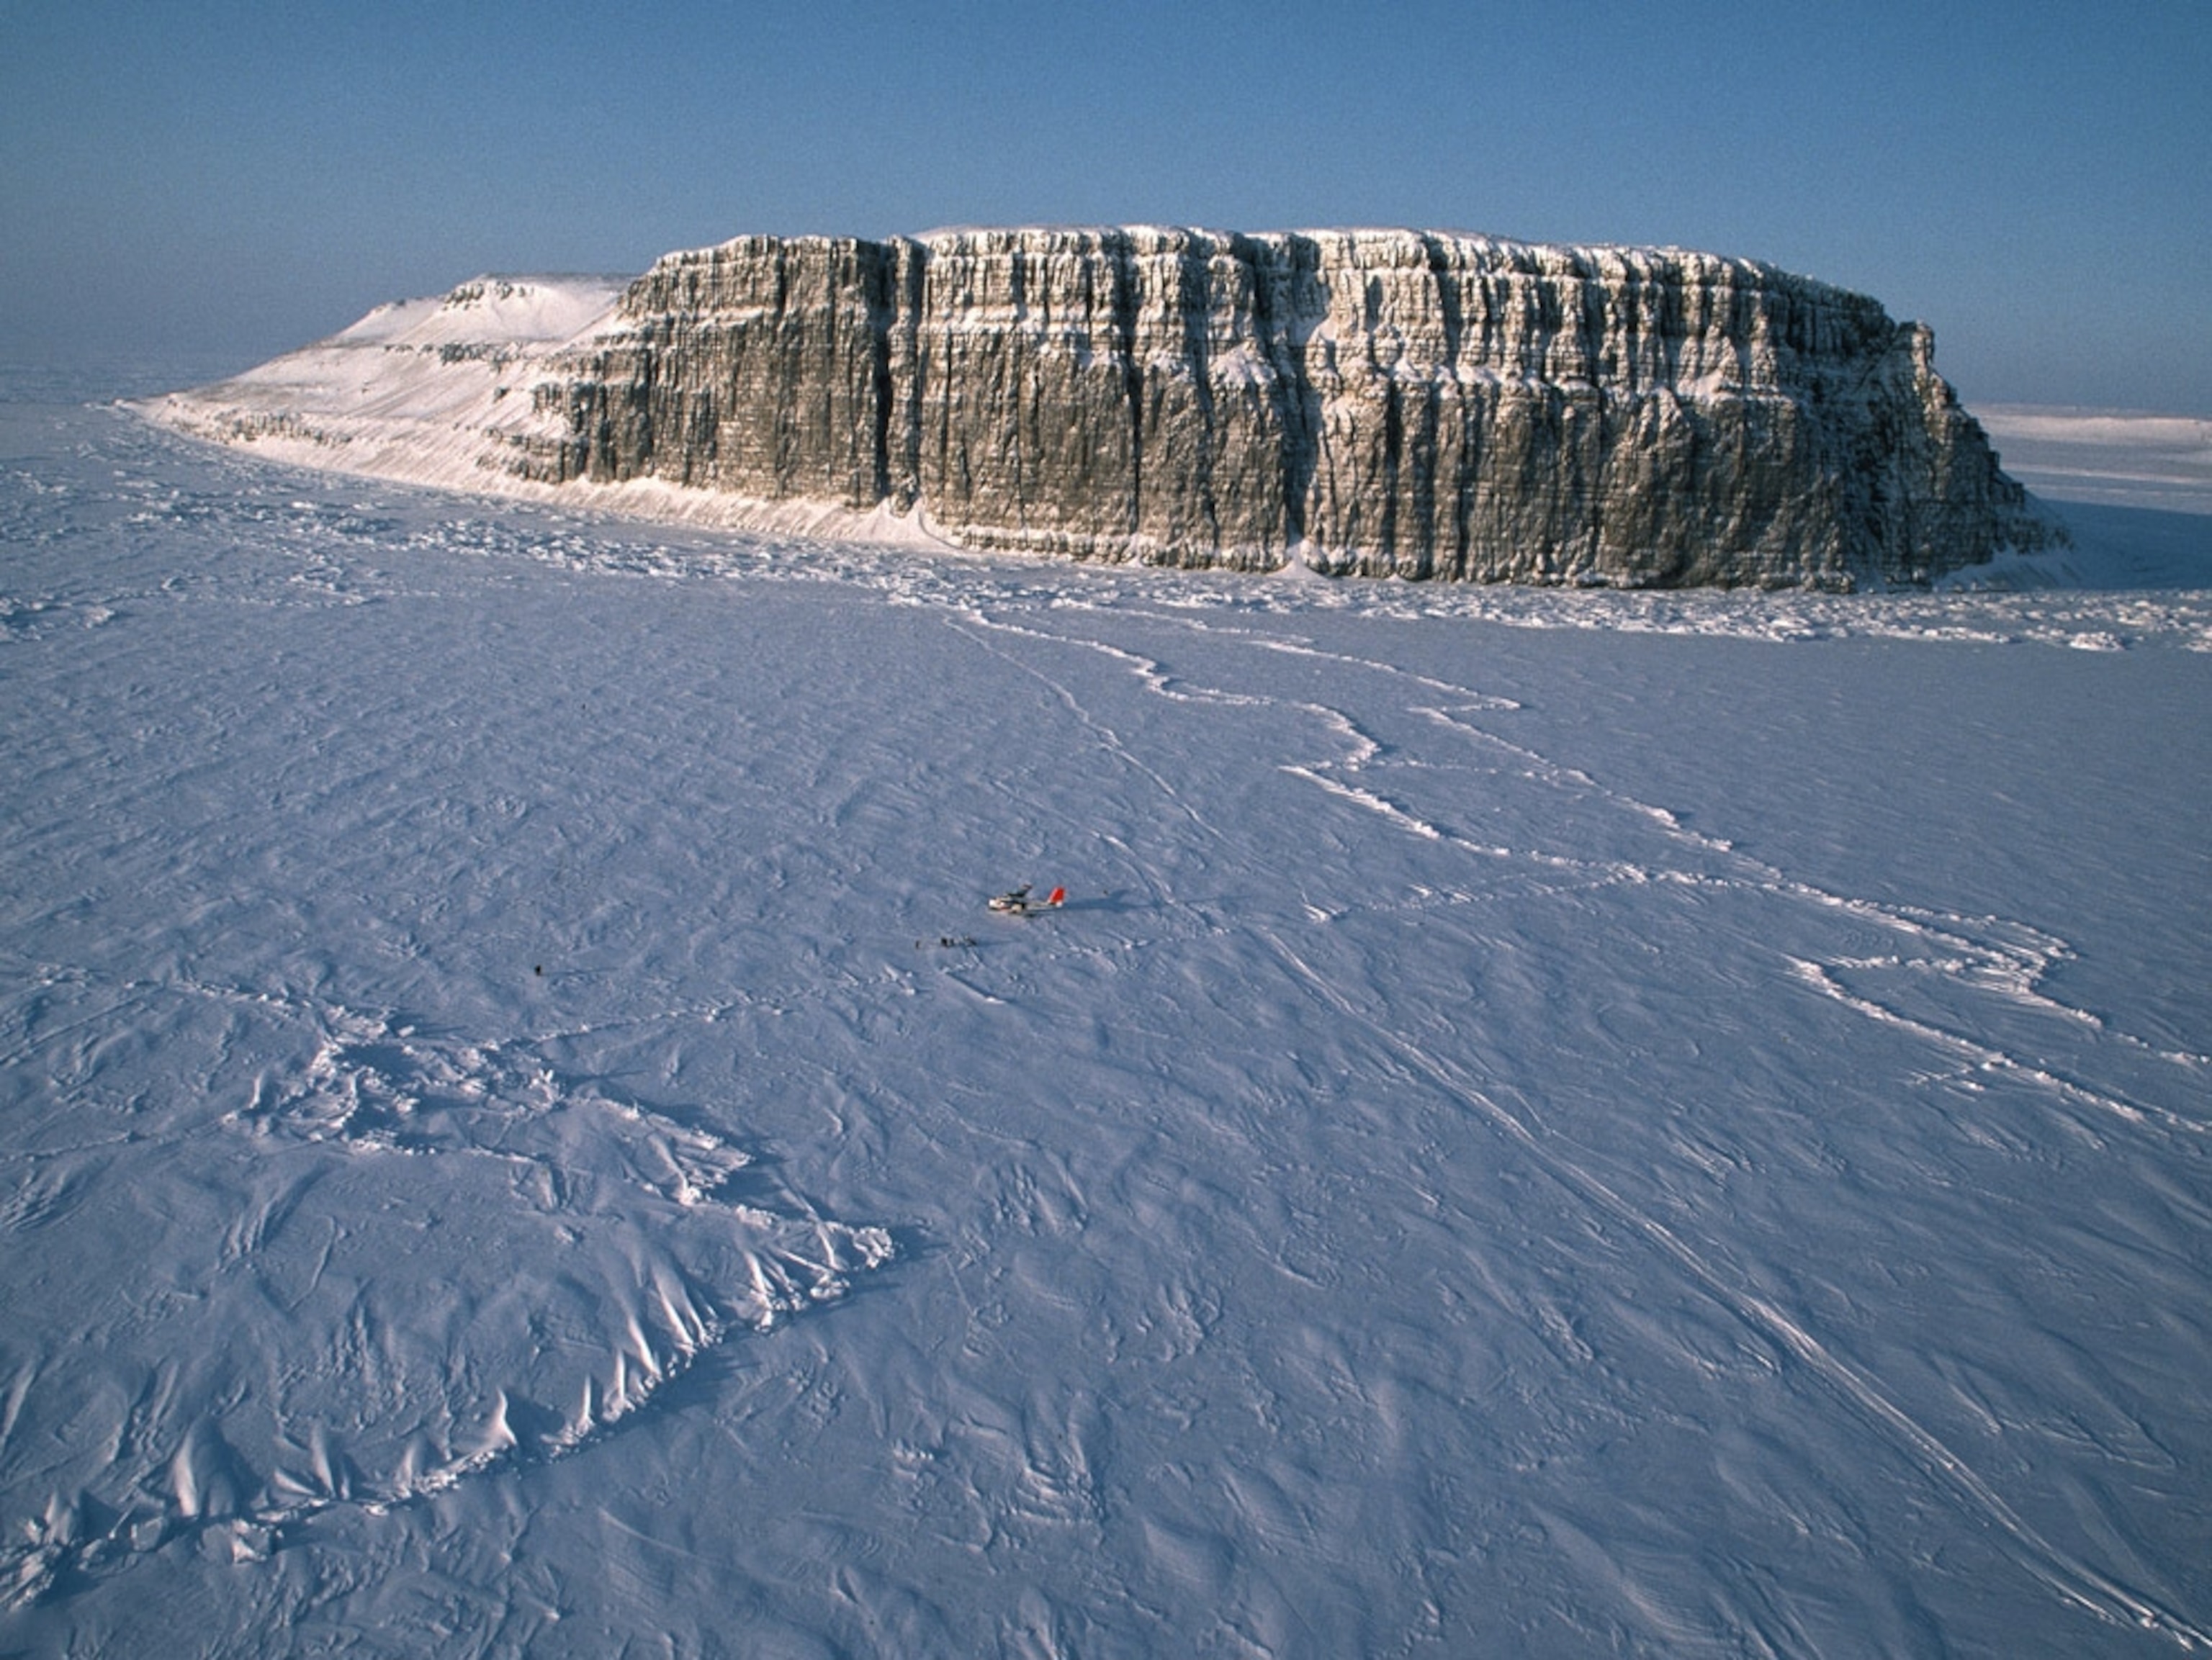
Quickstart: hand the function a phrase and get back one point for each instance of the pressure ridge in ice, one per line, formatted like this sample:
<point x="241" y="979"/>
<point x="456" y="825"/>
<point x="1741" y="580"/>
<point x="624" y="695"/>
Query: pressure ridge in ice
<point x="398" y="1259"/>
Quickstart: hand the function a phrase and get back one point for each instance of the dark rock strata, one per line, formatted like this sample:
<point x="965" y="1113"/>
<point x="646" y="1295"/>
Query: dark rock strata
<point x="1381" y="401"/>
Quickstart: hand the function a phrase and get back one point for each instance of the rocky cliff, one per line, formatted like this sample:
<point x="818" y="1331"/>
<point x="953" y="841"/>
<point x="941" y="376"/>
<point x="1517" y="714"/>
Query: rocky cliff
<point x="1388" y="403"/>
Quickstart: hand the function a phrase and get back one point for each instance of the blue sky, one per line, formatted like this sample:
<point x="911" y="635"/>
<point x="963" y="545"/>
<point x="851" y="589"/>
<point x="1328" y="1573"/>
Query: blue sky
<point x="2034" y="180"/>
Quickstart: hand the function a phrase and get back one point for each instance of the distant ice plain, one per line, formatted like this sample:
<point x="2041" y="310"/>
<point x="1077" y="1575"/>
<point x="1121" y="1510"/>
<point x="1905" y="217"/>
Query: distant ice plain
<point x="1552" y="1122"/>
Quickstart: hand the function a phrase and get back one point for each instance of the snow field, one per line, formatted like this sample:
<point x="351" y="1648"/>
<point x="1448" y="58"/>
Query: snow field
<point x="1549" y="1122"/>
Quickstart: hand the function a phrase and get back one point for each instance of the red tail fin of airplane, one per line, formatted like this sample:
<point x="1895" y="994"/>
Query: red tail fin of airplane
<point x="1058" y="895"/>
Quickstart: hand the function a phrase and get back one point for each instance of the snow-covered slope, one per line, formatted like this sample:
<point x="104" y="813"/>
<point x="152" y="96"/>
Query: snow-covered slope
<point x="417" y="389"/>
<point x="497" y="316"/>
<point x="1551" y="1122"/>
<point x="443" y="392"/>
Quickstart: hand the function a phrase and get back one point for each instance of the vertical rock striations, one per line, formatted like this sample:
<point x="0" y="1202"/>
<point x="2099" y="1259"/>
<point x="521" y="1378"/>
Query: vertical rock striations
<point x="1381" y="401"/>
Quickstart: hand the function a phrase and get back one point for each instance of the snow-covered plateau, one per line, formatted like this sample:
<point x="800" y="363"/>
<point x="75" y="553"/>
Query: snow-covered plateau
<point x="1551" y="1122"/>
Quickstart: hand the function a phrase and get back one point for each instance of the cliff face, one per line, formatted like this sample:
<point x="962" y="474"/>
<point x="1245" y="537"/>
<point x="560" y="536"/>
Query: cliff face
<point x="1388" y="403"/>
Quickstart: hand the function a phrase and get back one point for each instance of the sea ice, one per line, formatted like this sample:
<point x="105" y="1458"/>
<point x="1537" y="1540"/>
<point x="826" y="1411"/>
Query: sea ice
<point x="1549" y="1122"/>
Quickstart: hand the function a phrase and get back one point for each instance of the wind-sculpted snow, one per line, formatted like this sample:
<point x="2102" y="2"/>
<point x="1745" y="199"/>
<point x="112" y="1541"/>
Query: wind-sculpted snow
<point x="1390" y="403"/>
<point x="397" y="1260"/>
<point x="1550" y="1123"/>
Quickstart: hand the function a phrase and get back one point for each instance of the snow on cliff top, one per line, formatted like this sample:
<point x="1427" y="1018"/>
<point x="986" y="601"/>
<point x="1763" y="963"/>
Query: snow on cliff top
<point x="490" y="311"/>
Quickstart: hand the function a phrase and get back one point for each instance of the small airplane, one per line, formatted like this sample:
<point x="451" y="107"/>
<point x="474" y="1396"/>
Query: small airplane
<point x="1019" y="903"/>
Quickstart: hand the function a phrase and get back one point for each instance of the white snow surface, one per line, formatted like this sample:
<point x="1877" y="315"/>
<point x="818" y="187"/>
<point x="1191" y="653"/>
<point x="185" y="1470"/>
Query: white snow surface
<point x="1550" y="1123"/>
<point x="491" y="309"/>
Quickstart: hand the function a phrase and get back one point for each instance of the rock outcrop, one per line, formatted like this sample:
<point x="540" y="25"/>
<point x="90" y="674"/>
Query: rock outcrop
<point x="1388" y="403"/>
